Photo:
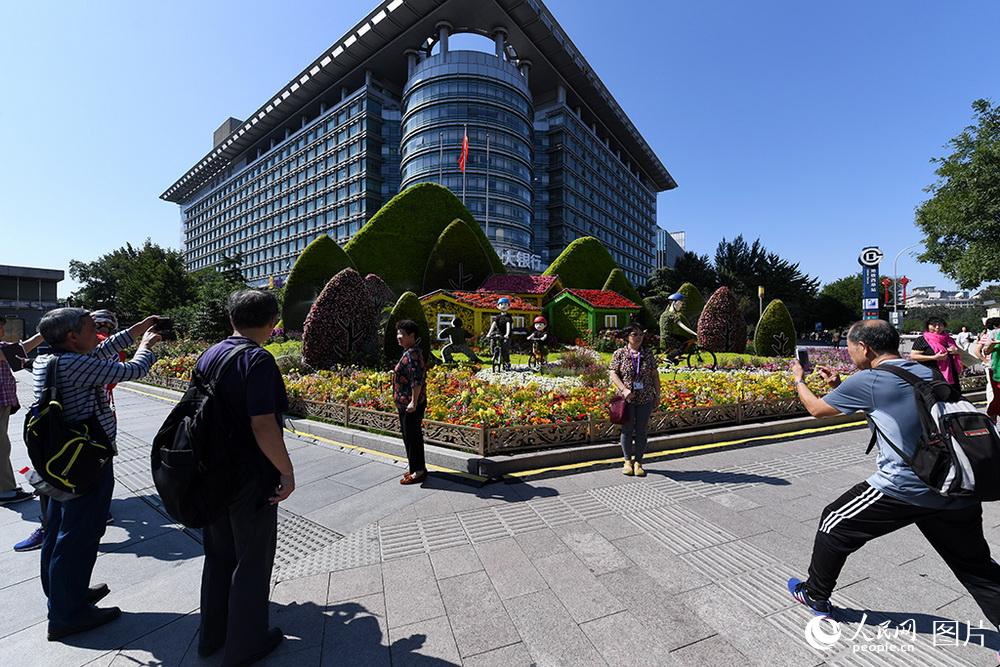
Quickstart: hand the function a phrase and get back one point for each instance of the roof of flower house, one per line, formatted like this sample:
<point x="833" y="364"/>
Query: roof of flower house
<point x="484" y="300"/>
<point x="518" y="284"/>
<point x="599" y="298"/>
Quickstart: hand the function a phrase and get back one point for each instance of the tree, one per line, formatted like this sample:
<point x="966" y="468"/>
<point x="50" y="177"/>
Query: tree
<point x="206" y="317"/>
<point x="457" y="260"/>
<point x="689" y="268"/>
<point x="839" y="302"/>
<point x="961" y="220"/>
<point x="321" y="260"/>
<point x="407" y="308"/>
<point x="775" y="334"/>
<point x="743" y="267"/>
<point x="133" y="282"/>
<point x="583" y="264"/>
<point x="341" y="327"/>
<point x="721" y="327"/>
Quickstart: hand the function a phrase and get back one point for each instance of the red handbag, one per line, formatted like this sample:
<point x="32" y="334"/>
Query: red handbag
<point x="616" y="410"/>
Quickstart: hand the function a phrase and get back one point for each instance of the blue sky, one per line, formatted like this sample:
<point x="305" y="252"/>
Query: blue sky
<point x="808" y="124"/>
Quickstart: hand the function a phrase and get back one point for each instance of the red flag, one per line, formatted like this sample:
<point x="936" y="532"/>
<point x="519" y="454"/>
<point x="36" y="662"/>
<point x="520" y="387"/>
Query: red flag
<point x="463" y="157"/>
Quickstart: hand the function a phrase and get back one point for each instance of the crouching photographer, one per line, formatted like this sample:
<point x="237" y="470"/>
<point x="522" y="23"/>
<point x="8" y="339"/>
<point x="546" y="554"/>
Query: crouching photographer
<point x="69" y="387"/>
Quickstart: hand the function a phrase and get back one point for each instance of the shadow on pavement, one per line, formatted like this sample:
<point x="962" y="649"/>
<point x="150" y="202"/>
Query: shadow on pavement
<point x="512" y="492"/>
<point x="141" y="522"/>
<point x="355" y="631"/>
<point x="718" y="477"/>
<point x="946" y="629"/>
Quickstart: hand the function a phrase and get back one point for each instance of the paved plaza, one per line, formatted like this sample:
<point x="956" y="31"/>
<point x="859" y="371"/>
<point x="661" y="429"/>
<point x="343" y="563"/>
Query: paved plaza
<point x="685" y="567"/>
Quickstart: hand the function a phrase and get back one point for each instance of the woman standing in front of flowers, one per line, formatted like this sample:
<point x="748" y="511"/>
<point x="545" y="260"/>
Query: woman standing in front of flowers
<point x="408" y="391"/>
<point x="633" y="371"/>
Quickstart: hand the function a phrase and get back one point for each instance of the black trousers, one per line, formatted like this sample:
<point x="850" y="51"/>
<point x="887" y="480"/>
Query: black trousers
<point x="864" y="513"/>
<point x="413" y="436"/>
<point x="236" y="581"/>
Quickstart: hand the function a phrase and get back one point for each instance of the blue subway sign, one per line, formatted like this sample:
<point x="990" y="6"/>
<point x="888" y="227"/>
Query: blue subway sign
<point x="869" y="260"/>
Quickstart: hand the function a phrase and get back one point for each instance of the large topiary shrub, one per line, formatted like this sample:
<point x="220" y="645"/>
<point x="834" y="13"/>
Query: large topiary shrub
<point x="398" y="240"/>
<point x="721" y="327"/>
<point x="775" y="335"/>
<point x="407" y="308"/>
<point x="618" y="282"/>
<point x="457" y="261"/>
<point x="583" y="264"/>
<point x="319" y="262"/>
<point x="378" y="291"/>
<point x="342" y="325"/>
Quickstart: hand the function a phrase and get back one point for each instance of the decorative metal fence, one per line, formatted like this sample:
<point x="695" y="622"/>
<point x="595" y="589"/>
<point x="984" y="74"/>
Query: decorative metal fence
<point x="513" y="439"/>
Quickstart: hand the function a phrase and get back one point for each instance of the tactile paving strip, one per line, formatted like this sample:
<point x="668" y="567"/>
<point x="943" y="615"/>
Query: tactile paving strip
<point x="355" y="550"/>
<point x="728" y="560"/>
<point x="299" y="537"/>
<point x="554" y="511"/>
<point x="632" y="497"/>
<point x="519" y="519"/>
<point x="483" y="525"/>
<point x="765" y="591"/>
<point x="679" y="530"/>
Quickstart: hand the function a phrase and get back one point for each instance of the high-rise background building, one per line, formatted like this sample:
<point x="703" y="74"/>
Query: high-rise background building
<point x="552" y="156"/>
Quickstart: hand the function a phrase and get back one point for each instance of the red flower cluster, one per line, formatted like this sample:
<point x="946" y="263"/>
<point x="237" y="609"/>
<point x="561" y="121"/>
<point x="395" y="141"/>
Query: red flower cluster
<point x="518" y="284"/>
<point x="599" y="298"/>
<point x="488" y="300"/>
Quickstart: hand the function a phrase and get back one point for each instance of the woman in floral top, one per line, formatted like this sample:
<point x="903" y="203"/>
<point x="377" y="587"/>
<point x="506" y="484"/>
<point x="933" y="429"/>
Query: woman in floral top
<point x="633" y="371"/>
<point x="408" y="382"/>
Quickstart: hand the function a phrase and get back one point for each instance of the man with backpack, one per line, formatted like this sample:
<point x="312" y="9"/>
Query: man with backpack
<point x="899" y="493"/>
<point x="240" y="540"/>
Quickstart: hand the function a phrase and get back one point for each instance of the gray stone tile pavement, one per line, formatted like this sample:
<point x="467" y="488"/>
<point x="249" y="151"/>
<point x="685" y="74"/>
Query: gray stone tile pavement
<point x="684" y="567"/>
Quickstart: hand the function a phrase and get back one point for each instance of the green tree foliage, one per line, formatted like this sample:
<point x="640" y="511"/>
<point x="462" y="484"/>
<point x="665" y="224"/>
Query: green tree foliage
<point x="839" y="302"/>
<point x="321" y="260"/>
<point x="133" y="282"/>
<point x="961" y="220"/>
<point x="397" y="242"/>
<point x="206" y="317"/>
<point x="721" y="327"/>
<point x="407" y="308"/>
<point x="341" y="327"/>
<point x="955" y="317"/>
<point x="743" y="267"/>
<point x="457" y="260"/>
<point x="583" y="264"/>
<point x="690" y="268"/>
<point x="775" y="335"/>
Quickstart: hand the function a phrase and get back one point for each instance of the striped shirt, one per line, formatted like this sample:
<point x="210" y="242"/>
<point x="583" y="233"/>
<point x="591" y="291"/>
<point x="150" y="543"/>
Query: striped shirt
<point x="81" y="379"/>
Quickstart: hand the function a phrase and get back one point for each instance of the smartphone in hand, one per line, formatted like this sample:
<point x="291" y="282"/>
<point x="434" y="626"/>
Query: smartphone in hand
<point x="802" y="355"/>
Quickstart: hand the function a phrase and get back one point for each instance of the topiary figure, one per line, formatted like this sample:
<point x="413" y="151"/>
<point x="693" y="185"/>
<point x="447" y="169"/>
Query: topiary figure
<point x="721" y="327"/>
<point x="583" y="264"/>
<point x="319" y="262"/>
<point x="690" y="311"/>
<point x="457" y="261"/>
<point x="775" y="335"/>
<point x="342" y="325"/>
<point x="398" y="239"/>
<point x="407" y="308"/>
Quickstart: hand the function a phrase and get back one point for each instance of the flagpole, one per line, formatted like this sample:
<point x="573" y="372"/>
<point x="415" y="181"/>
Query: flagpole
<point x="441" y="158"/>
<point x="487" y="186"/>
<point x="465" y="136"/>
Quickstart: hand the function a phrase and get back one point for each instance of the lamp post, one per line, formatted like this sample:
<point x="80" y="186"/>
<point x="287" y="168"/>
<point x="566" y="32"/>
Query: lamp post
<point x="760" y="297"/>
<point x="895" y="275"/>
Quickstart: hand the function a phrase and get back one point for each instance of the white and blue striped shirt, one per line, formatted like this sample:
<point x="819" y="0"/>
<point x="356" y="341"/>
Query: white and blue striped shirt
<point x="81" y="378"/>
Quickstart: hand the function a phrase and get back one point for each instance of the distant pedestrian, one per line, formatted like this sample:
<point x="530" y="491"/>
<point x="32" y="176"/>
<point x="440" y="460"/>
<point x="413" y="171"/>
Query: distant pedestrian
<point x="240" y="544"/>
<point x="12" y="358"/>
<point x="634" y="372"/>
<point x="73" y="528"/>
<point x="838" y="338"/>
<point x="990" y="354"/>
<point x="409" y="392"/>
<point x="935" y="348"/>
<point x="964" y="338"/>
<point x="894" y="497"/>
<point x="457" y="338"/>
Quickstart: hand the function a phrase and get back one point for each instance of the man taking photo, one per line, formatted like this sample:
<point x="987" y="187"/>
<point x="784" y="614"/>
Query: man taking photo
<point x="893" y="497"/>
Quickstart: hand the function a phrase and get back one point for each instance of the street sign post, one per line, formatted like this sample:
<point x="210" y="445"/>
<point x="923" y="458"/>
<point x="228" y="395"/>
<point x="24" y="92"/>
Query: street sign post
<point x="869" y="260"/>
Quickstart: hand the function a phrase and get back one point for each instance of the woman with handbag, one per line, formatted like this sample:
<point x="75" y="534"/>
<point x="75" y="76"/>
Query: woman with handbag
<point x="633" y="371"/>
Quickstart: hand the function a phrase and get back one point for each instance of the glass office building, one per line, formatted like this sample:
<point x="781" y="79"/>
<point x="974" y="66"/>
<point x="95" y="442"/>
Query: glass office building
<point x="552" y="157"/>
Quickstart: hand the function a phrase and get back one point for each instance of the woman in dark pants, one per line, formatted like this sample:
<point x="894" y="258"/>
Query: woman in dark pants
<point x="633" y="371"/>
<point x="408" y="381"/>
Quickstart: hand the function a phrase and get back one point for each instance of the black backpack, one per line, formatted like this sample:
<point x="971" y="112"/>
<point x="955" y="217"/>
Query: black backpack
<point x="68" y="457"/>
<point x="192" y="461"/>
<point x="958" y="454"/>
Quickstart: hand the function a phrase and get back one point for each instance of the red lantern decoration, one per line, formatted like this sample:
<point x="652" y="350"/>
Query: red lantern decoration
<point x="886" y="283"/>
<point x="904" y="281"/>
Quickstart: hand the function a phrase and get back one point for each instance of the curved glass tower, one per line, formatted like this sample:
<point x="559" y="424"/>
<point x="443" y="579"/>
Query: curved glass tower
<point x="455" y="92"/>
